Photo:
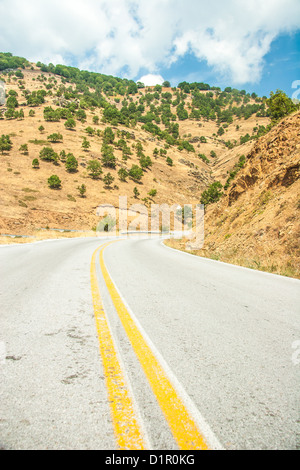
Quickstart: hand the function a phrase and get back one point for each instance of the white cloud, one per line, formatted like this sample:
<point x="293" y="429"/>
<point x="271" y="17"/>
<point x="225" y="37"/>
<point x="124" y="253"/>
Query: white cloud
<point x="125" y="37"/>
<point x="151" y="79"/>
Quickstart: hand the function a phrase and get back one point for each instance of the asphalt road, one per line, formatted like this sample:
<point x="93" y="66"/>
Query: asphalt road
<point x="226" y="340"/>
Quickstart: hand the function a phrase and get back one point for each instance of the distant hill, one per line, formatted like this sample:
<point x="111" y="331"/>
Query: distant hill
<point x="186" y="133"/>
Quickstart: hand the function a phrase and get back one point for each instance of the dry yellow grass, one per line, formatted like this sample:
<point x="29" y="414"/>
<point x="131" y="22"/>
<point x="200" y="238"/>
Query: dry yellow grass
<point x="259" y="259"/>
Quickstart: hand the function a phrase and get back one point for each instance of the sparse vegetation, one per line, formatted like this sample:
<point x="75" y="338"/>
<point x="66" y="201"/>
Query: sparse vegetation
<point x="236" y="169"/>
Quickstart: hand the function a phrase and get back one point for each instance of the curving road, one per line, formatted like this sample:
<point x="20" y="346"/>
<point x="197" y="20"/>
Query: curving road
<point x="202" y="346"/>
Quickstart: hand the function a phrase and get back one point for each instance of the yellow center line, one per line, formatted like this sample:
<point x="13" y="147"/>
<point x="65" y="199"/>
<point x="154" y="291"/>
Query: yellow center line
<point x="126" y="426"/>
<point x="183" y="426"/>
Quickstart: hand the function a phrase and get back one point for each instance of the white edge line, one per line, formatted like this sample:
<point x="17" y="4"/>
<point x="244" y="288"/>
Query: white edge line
<point x="209" y="260"/>
<point x="204" y="428"/>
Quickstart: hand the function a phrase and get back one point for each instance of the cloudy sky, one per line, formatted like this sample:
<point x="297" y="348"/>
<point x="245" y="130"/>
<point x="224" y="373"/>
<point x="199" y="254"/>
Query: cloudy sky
<point x="249" y="44"/>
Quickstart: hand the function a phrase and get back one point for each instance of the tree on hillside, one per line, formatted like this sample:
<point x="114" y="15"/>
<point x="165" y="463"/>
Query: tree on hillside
<point x="108" y="180"/>
<point x="24" y="149"/>
<point x="85" y="144"/>
<point x="12" y="102"/>
<point x="212" y="194"/>
<point x="90" y="131"/>
<point x="108" y="136"/>
<point x="108" y="159"/>
<point x="35" y="163"/>
<point x="70" y="123"/>
<point x="82" y="190"/>
<point x="54" y="182"/>
<point x="136" y="173"/>
<point x="280" y="105"/>
<point x="56" y="137"/>
<point x="71" y="163"/>
<point x="48" y="154"/>
<point x="51" y="115"/>
<point x="152" y="192"/>
<point x="145" y="162"/>
<point x="94" y="168"/>
<point x="123" y="174"/>
<point x="5" y="144"/>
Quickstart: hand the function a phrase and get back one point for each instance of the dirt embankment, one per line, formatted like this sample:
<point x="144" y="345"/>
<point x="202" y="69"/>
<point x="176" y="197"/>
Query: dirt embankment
<point x="256" y="223"/>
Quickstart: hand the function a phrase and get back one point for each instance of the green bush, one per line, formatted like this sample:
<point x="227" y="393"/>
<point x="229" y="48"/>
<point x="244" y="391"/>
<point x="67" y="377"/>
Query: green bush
<point x="5" y="144"/>
<point x="122" y="173"/>
<point x="94" y="168"/>
<point x="203" y="157"/>
<point x="108" y="159"/>
<point x="70" y="123"/>
<point x="54" y="182"/>
<point x="47" y="154"/>
<point x="82" y="190"/>
<point x="24" y="149"/>
<point x="85" y="144"/>
<point x="35" y="163"/>
<point x="280" y="105"/>
<point x="108" y="180"/>
<point x="152" y="193"/>
<point x="56" y="137"/>
<point x="71" y="163"/>
<point x="136" y="173"/>
<point x="145" y="162"/>
<point x="51" y="115"/>
<point x="212" y="194"/>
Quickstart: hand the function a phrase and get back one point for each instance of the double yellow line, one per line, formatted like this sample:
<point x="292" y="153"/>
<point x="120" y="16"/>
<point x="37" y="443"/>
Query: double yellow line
<point x="127" y="428"/>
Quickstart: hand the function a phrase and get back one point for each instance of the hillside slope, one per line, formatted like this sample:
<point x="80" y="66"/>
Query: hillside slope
<point x="256" y="222"/>
<point x="185" y="125"/>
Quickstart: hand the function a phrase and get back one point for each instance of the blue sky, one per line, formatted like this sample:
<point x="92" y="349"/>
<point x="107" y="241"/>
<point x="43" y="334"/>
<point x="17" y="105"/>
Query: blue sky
<point x="280" y="70"/>
<point x="251" y="45"/>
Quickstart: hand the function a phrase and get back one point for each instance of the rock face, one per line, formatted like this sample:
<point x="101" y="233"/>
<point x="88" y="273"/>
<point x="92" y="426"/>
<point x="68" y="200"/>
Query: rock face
<point x="274" y="158"/>
<point x="258" y="218"/>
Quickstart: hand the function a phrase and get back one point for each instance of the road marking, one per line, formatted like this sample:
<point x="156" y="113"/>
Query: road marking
<point x="125" y="422"/>
<point x="183" y="426"/>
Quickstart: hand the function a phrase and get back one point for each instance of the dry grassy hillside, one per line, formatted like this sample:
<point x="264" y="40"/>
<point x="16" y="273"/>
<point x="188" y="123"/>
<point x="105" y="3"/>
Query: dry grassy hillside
<point x="256" y="223"/>
<point x="28" y="204"/>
